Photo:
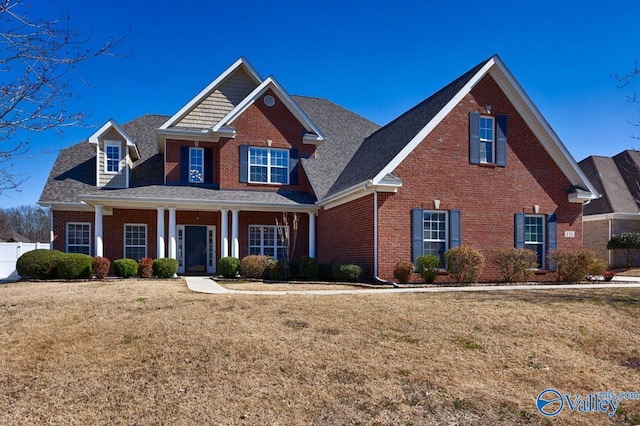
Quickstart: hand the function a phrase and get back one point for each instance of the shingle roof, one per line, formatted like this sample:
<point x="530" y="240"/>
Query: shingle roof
<point x="379" y="149"/>
<point x="617" y="179"/>
<point x="344" y="130"/>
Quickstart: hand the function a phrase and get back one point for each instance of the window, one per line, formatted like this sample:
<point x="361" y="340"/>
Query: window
<point x="112" y="157"/>
<point x="196" y="165"/>
<point x="265" y="240"/>
<point x="135" y="241"/>
<point x="79" y="238"/>
<point x="434" y="233"/>
<point x="534" y="236"/>
<point x="267" y="165"/>
<point x="486" y="139"/>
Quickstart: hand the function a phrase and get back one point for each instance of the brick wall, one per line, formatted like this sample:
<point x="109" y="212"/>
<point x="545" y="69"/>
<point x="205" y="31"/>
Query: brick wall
<point x="487" y="196"/>
<point x="60" y="220"/>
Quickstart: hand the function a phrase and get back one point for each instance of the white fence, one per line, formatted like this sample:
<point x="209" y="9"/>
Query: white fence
<point x="9" y="254"/>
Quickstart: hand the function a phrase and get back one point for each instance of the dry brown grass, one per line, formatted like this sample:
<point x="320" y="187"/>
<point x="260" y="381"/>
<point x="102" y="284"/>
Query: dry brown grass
<point x="151" y="352"/>
<point x="261" y="286"/>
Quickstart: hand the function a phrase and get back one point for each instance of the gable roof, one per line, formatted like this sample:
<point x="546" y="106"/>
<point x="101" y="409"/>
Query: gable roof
<point x="384" y="150"/>
<point x="111" y="124"/>
<point x="617" y="178"/>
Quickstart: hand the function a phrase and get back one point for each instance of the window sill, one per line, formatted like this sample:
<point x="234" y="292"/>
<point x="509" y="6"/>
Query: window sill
<point x="488" y="165"/>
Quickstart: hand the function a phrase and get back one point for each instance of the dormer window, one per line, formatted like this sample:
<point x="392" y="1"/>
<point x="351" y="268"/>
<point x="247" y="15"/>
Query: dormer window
<point x="112" y="157"/>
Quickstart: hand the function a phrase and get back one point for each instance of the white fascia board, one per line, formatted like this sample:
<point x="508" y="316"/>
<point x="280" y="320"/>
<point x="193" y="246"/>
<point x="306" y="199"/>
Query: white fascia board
<point x="357" y="191"/>
<point x="241" y="62"/>
<point x="535" y="120"/>
<point x="404" y="153"/>
<point x="607" y="216"/>
<point x="271" y="83"/>
<point x="111" y="124"/>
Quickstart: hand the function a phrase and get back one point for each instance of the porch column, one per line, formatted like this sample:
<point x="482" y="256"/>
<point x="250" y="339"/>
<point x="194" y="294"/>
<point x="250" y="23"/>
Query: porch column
<point x="160" y="232"/>
<point x="235" y="243"/>
<point x="224" y="233"/>
<point x="98" y="231"/>
<point x="172" y="234"/>
<point x="312" y="235"/>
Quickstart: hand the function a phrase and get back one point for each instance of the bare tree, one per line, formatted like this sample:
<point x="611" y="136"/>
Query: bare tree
<point x="625" y="80"/>
<point x="38" y="59"/>
<point x="288" y="237"/>
<point x="29" y="221"/>
<point x="5" y="229"/>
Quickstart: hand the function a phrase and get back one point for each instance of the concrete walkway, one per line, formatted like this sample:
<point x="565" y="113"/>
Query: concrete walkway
<point x="207" y="285"/>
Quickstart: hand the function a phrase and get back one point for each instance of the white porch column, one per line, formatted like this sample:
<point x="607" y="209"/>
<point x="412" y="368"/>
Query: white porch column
<point x="173" y="247"/>
<point x="98" y="231"/>
<point x="224" y="233"/>
<point x="235" y="243"/>
<point x="160" y="232"/>
<point x="312" y="234"/>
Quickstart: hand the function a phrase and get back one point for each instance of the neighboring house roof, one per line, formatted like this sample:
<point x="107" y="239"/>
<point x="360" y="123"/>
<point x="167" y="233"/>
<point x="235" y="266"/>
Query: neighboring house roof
<point x="16" y="238"/>
<point x="384" y="150"/>
<point x="617" y="178"/>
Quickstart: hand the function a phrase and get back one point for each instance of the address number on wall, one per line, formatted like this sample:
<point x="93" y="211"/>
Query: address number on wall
<point x="569" y="234"/>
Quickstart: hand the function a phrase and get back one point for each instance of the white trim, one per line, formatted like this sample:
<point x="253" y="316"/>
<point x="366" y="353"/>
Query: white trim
<point x="98" y="165"/>
<point x="95" y="137"/>
<point x="124" y="239"/>
<point x="201" y="150"/>
<point x="491" y="160"/>
<point x="270" y="83"/>
<point x="224" y="233"/>
<point x="212" y="251"/>
<point x="66" y="236"/>
<point x="241" y="62"/>
<point x="98" y="233"/>
<point x="543" y="244"/>
<point x="172" y="233"/>
<point x="235" y="240"/>
<point x="608" y="216"/>
<point x="276" y="239"/>
<point x="269" y="166"/>
<point x="113" y="144"/>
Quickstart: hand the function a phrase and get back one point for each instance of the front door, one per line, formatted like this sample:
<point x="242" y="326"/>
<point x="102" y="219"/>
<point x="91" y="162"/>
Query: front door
<point x="195" y="249"/>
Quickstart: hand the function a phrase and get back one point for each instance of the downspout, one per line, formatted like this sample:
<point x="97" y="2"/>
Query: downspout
<point x="377" y="279"/>
<point x="609" y="251"/>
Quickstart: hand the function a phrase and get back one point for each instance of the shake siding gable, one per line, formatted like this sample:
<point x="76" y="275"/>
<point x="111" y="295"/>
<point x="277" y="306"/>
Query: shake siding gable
<point x="439" y="169"/>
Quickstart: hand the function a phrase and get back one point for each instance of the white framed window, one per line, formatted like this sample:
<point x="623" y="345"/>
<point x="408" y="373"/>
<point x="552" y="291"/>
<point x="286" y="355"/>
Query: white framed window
<point x="112" y="157"/>
<point x="135" y="241"/>
<point x="534" y="236"/>
<point x="265" y="240"/>
<point x="268" y="165"/>
<point x="196" y="165"/>
<point x="487" y="139"/>
<point x="435" y="233"/>
<point x="78" y="238"/>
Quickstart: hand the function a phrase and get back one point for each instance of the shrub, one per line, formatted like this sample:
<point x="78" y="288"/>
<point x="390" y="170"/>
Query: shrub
<point x="310" y="267"/>
<point x="293" y="268"/>
<point x="125" y="268"/>
<point x="145" y="268"/>
<point x="277" y="270"/>
<point x="427" y="266"/>
<point x="571" y="265"/>
<point x="164" y="267"/>
<point x="40" y="264"/>
<point x="464" y="264"/>
<point x="608" y="275"/>
<point x="228" y="267"/>
<point x="598" y="267"/>
<point x="403" y="271"/>
<point x="626" y="241"/>
<point x="255" y="266"/>
<point x="100" y="267"/>
<point x="515" y="264"/>
<point x="346" y="271"/>
<point x="72" y="266"/>
<point x="325" y="272"/>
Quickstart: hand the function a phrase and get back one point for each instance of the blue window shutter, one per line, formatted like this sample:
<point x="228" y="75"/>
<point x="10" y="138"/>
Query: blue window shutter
<point x="552" y="237"/>
<point x="417" y="234"/>
<point x="244" y="163"/>
<point x="501" y="141"/>
<point x="519" y="230"/>
<point x="208" y="165"/>
<point x="474" y="137"/>
<point x="293" y="166"/>
<point x="184" y="164"/>
<point x="454" y="228"/>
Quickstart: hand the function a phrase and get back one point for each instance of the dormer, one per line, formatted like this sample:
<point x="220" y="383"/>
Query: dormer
<point x="115" y="154"/>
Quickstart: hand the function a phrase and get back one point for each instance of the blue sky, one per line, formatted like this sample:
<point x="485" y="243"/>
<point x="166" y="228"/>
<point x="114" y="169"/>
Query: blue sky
<point x="377" y="59"/>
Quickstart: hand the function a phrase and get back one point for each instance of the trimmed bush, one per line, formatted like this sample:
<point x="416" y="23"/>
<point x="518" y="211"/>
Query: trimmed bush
<point x="626" y="241"/>
<point x="598" y="267"/>
<point x="608" y="275"/>
<point x="125" y="268"/>
<point x="293" y="268"/>
<point x="310" y="267"/>
<point x="277" y="270"/>
<point x="255" y="266"/>
<point x="164" y="267"/>
<point x="346" y="271"/>
<point x="100" y="267"/>
<point x="228" y="267"/>
<point x="403" y="271"/>
<point x="464" y="264"/>
<point x="40" y="264"/>
<point x="572" y="265"/>
<point x="515" y="264"/>
<point x="145" y="267"/>
<point x="428" y="266"/>
<point x="325" y="272"/>
<point x="72" y="266"/>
